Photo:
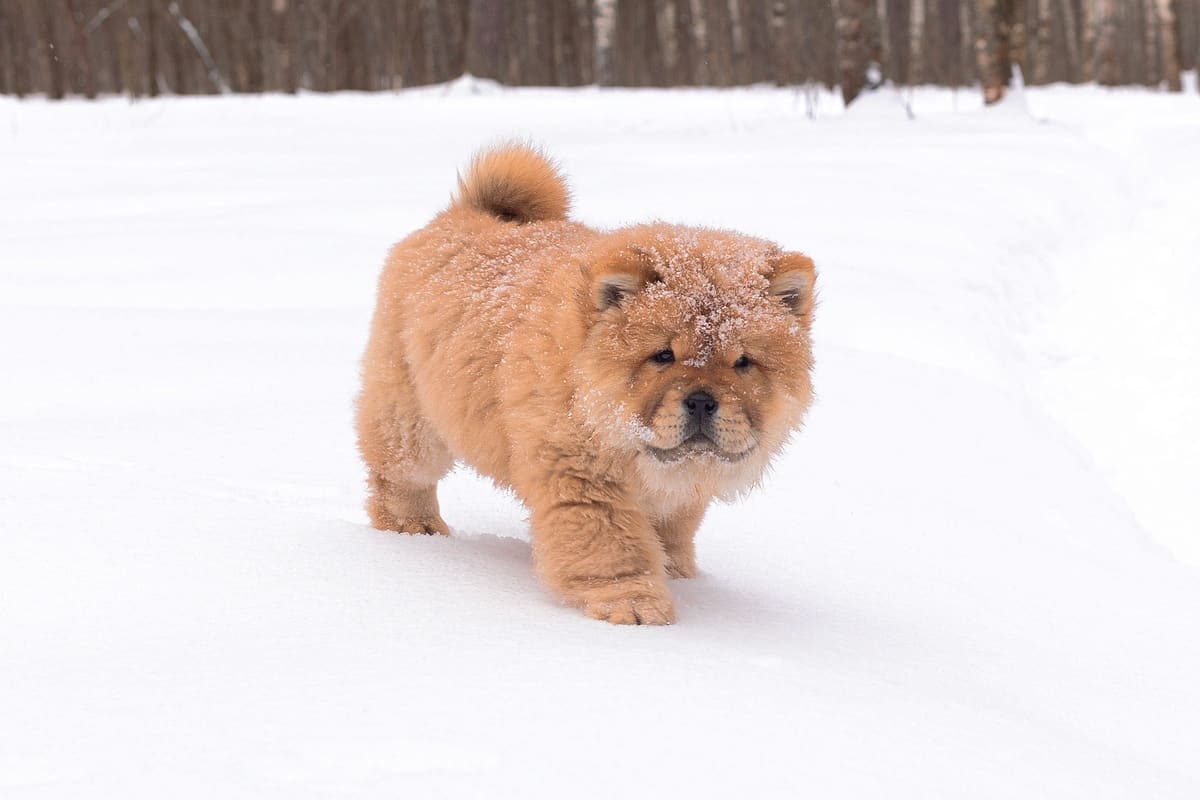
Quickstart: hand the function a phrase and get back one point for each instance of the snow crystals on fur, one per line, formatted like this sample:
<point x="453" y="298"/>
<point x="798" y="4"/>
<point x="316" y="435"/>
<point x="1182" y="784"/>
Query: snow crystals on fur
<point x="715" y="286"/>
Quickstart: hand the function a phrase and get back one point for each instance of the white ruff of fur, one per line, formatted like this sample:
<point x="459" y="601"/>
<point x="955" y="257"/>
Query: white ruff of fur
<point x="670" y="485"/>
<point x="696" y="478"/>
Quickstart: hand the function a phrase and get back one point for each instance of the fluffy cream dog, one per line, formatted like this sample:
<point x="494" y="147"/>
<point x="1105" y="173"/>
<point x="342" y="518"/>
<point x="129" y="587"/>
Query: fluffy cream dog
<point x="617" y="381"/>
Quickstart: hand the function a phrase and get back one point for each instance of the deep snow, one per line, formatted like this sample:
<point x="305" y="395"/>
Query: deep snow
<point x="944" y="589"/>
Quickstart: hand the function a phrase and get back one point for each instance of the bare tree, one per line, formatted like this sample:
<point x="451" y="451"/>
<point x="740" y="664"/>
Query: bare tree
<point x="1107" y="67"/>
<point x="1071" y="34"/>
<point x="55" y="84"/>
<point x="1014" y="35"/>
<point x="1169" y="26"/>
<point x="991" y="49"/>
<point x="604" y="23"/>
<point x="966" y="36"/>
<point x="484" y="37"/>
<point x="718" y="41"/>
<point x="1043" y="39"/>
<point x="637" y="53"/>
<point x="1152" y="58"/>
<point x="755" y="22"/>
<point x="145" y="47"/>
<point x="1187" y="21"/>
<point x="885" y="41"/>
<point x="852" y="47"/>
<point x="916" y="39"/>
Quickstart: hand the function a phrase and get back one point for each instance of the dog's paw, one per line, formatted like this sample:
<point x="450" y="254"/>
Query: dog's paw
<point x="631" y="604"/>
<point x="428" y="526"/>
<point x="384" y="518"/>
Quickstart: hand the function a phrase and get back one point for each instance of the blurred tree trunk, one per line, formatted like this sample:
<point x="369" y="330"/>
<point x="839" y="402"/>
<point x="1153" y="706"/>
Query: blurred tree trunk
<point x="573" y="37"/>
<point x="604" y="25"/>
<point x="739" y="71"/>
<point x="55" y="84"/>
<point x="1188" y="26"/>
<point x="1087" y="57"/>
<point x="885" y="39"/>
<point x="1107" y="68"/>
<point x="143" y="47"/>
<point x="718" y="42"/>
<point x="916" y="37"/>
<point x="1169" y="22"/>
<point x="679" y="36"/>
<point x="784" y="55"/>
<point x="191" y="40"/>
<point x="950" y="44"/>
<point x="254" y="46"/>
<point x="151" y="34"/>
<point x="1071" y="34"/>
<point x="1013" y="14"/>
<point x="637" y="55"/>
<point x="484" y="38"/>
<point x="756" y="41"/>
<point x="1150" y="43"/>
<point x="966" y="28"/>
<point x="1043" y="41"/>
<point x="852" y="47"/>
<point x="9" y="53"/>
<point x="991" y="49"/>
<point x="819" y="42"/>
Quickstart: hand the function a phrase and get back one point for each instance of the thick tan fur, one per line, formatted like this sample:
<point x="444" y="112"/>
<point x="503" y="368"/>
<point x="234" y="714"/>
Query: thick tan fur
<point x="531" y="348"/>
<point x="516" y="184"/>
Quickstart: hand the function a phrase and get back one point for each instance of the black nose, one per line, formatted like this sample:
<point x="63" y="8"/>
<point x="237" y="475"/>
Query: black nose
<point x="700" y="405"/>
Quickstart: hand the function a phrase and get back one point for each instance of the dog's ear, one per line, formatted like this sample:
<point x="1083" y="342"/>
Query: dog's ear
<point x="614" y="288"/>
<point x="619" y="276"/>
<point x="793" y="280"/>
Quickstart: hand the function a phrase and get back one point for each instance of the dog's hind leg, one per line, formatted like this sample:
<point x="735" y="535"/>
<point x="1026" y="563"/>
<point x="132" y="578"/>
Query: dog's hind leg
<point x="404" y="455"/>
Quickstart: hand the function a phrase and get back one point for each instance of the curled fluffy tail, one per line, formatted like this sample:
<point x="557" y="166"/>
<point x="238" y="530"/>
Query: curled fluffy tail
<point x="514" y="182"/>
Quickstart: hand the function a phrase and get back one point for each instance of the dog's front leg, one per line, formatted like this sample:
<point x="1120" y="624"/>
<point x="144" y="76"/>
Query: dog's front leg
<point x="599" y="551"/>
<point x="677" y="533"/>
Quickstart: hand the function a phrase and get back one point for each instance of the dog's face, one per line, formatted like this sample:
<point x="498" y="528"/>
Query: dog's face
<point x="699" y="351"/>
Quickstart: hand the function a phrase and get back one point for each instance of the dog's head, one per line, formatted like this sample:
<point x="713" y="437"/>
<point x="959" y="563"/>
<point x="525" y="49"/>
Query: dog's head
<point x="699" y="352"/>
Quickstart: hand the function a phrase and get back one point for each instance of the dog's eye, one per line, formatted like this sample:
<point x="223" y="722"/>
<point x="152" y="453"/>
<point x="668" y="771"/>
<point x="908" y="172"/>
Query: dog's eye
<point x="663" y="356"/>
<point x="742" y="362"/>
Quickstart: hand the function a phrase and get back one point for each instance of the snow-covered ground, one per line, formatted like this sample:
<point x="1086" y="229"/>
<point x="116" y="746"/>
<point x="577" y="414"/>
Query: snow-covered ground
<point x="946" y="589"/>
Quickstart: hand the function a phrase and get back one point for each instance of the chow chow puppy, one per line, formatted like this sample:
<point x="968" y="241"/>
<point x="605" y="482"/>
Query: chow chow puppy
<point x="617" y="381"/>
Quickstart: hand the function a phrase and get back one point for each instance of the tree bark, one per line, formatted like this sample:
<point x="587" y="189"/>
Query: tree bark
<point x="1107" y="66"/>
<point x="1153" y="58"/>
<point x="1013" y="13"/>
<point x="1043" y="36"/>
<point x="1169" y="23"/>
<point x="718" y="42"/>
<point x="851" y="47"/>
<point x="89" y="47"/>
<point x="991" y="50"/>
<point x="916" y="39"/>
<point x="484" y="38"/>
<point x="1071" y="34"/>
<point x="1087" y="56"/>
<point x="885" y="39"/>
<point x="966" y="56"/>
<point x="603" y="25"/>
<point x="757" y="41"/>
<point x="55" y="85"/>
